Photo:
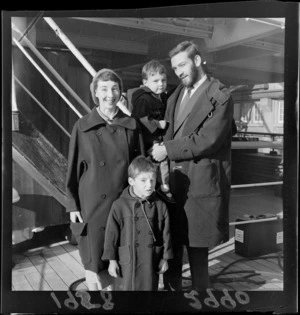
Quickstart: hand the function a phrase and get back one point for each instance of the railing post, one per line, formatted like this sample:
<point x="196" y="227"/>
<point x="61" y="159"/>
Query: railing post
<point x="14" y="107"/>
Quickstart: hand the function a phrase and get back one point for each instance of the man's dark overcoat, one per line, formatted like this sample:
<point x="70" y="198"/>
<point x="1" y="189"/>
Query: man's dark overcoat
<point x="99" y="156"/>
<point x="130" y="241"/>
<point x="200" y="165"/>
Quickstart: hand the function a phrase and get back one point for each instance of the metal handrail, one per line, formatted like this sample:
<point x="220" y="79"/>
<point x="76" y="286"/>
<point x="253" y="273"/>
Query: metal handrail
<point x="42" y="107"/>
<point x="261" y="133"/>
<point x="46" y="77"/>
<point x="52" y="70"/>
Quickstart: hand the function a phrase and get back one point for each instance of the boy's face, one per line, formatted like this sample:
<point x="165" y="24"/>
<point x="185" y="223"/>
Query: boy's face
<point x="156" y="82"/>
<point x="143" y="184"/>
<point x="108" y="94"/>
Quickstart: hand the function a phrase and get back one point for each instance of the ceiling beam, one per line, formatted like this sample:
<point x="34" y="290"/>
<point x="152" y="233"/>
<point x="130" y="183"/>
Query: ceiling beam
<point x="165" y="25"/>
<point x="230" y="75"/>
<point x="269" y="64"/>
<point x="236" y="53"/>
<point x="94" y="42"/>
<point x="237" y="32"/>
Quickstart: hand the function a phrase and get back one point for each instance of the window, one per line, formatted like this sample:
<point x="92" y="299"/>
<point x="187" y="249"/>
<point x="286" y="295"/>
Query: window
<point x="246" y="112"/>
<point x="280" y="111"/>
<point x="257" y="113"/>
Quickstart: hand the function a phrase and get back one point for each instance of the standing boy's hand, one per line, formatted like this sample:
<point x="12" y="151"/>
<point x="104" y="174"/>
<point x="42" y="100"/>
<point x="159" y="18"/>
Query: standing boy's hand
<point x="163" y="266"/>
<point x="113" y="268"/>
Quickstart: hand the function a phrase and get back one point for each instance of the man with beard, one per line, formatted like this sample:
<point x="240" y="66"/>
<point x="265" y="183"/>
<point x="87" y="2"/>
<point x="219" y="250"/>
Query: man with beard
<point x="197" y="144"/>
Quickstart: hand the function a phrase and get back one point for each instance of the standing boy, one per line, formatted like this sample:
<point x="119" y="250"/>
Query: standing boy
<point x="137" y="239"/>
<point x="149" y="106"/>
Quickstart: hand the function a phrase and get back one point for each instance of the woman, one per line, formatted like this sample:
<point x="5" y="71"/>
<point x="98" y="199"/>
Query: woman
<point x="101" y="147"/>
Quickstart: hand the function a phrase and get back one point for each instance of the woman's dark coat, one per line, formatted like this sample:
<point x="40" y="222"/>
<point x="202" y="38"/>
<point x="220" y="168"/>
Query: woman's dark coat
<point x="201" y="166"/>
<point x="129" y="240"/>
<point x="99" y="156"/>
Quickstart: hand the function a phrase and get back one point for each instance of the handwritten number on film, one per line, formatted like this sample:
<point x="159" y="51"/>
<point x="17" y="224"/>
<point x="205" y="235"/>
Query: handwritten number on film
<point x="85" y="300"/>
<point x="226" y="300"/>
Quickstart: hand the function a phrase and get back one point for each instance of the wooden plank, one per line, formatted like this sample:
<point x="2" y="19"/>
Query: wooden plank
<point x="20" y="283"/>
<point x="48" y="273"/>
<point x="38" y="282"/>
<point x="217" y="268"/>
<point x="61" y="269"/>
<point x="255" y="265"/>
<point x="68" y="260"/>
<point x="23" y="265"/>
<point x="73" y="251"/>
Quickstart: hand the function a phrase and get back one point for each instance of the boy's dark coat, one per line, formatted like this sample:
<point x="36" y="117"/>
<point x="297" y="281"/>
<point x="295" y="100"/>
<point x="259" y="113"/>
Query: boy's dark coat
<point x="129" y="240"/>
<point x="149" y="110"/>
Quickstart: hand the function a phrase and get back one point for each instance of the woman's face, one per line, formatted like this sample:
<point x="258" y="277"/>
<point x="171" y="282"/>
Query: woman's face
<point x="108" y="94"/>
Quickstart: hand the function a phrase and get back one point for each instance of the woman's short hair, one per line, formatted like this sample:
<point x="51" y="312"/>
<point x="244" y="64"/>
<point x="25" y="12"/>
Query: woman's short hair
<point x="104" y="75"/>
<point x="153" y="67"/>
<point x="139" y="165"/>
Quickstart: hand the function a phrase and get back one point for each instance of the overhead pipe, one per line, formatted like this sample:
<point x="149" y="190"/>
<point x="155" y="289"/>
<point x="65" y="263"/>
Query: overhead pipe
<point x="46" y="77"/>
<point x="52" y="70"/>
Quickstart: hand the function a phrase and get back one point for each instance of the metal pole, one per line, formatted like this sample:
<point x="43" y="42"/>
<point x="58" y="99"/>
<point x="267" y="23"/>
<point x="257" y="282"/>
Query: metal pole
<point x="42" y="107"/>
<point x="13" y="92"/>
<point x="257" y="184"/>
<point x="31" y="25"/>
<point x="255" y="221"/>
<point x="45" y="76"/>
<point x="53" y="71"/>
<point x="69" y="44"/>
<point x="78" y="55"/>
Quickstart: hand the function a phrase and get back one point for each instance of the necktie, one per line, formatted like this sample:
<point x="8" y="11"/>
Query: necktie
<point x="184" y="103"/>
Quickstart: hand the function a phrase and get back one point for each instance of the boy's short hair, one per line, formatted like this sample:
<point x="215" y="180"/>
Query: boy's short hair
<point x="104" y="75"/>
<point x="139" y="165"/>
<point x="153" y="67"/>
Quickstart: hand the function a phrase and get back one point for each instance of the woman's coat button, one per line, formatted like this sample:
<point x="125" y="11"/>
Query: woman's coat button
<point x="102" y="163"/>
<point x="103" y="196"/>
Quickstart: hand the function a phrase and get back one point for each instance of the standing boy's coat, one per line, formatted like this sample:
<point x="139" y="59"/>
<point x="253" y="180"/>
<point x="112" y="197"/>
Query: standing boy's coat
<point x="99" y="156"/>
<point x="129" y="240"/>
<point x="200" y="154"/>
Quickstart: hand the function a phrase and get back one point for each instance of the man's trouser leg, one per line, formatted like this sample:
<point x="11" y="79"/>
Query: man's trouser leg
<point x="198" y="259"/>
<point x="173" y="276"/>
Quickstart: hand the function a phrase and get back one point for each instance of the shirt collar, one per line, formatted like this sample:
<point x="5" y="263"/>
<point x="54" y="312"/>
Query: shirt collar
<point x="198" y="83"/>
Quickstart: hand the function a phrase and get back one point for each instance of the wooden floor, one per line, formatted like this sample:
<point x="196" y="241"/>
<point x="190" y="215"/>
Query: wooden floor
<point x="56" y="265"/>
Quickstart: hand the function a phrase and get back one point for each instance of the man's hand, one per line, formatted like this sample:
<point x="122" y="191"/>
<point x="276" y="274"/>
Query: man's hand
<point x="163" y="266"/>
<point x="158" y="152"/>
<point x="162" y="124"/>
<point x="113" y="268"/>
<point x="75" y="216"/>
